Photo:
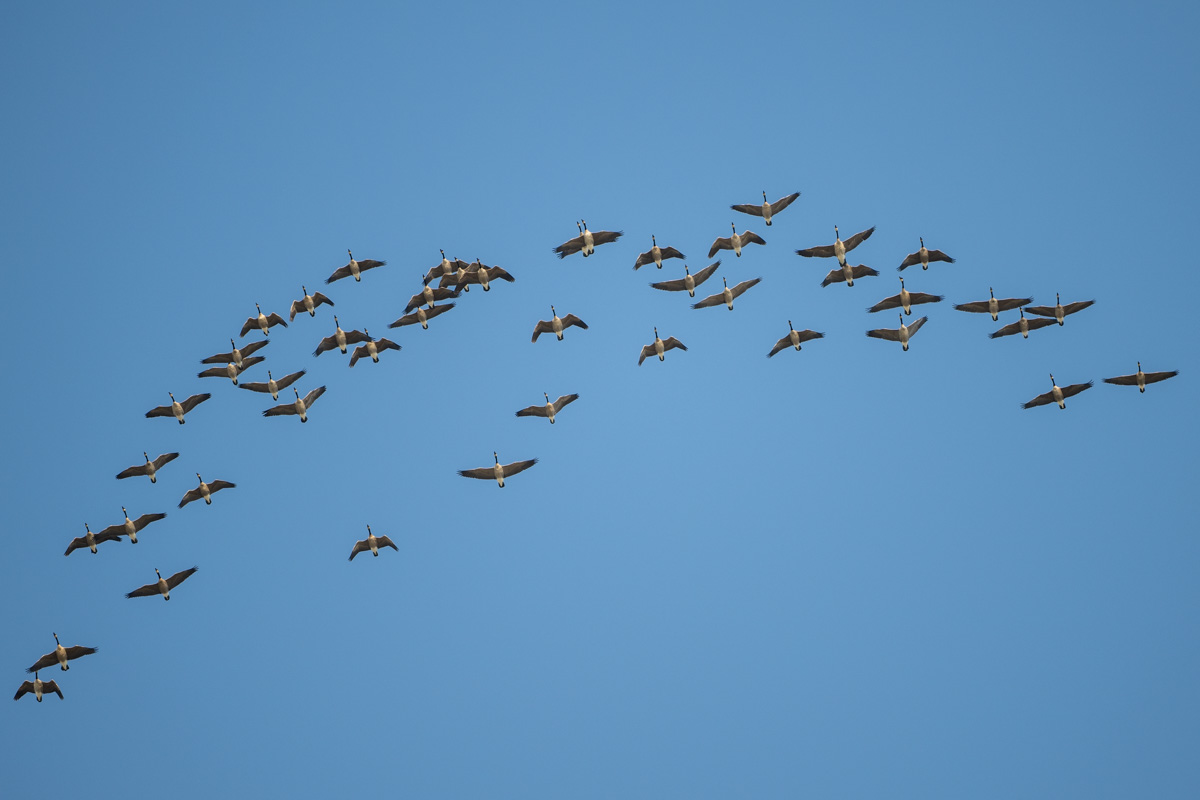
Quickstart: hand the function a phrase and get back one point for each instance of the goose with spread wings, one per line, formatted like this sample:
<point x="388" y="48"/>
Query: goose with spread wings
<point x="1058" y="311"/>
<point x="923" y="256"/>
<point x="659" y="347"/>
<point x="372" y="543"/>
<point x="444" y="267"/>
<point x="237" y="355"/>
<point x="550" y="409"/>
<point x="847" y="274"/>
<point x="993" y="305"/>
<point x="498" y="471"/>
<point x="1140" y="379"/>
<point x="735" y="242"/>
<point x="905" y="300"/>
<point x="429" y="296"/>
<point x="177" y="409"/>
<point x="299" y="407"/>
<point x="794" y="339"/>
<point x="340" y="339"/>
<point x="231" y="370"/>
<point x="371" y="348"/>
<point x="130" y="527"/>
<point x="902" y="334"/>
<point x="61" y="655"/>
<point x="587" y="241"/>
<point x="726" y="295"/>
<point x="309" y="303"/>
<point x="688" y="282"/>
<point x="150" y="468"/>
<point x="38" y="687"/>
<point x="839" y="248"/>
<point x="90" y="540"/>
<point x="273" y="386"/>
<point x="263" y="322"/>
<point x="483" y="276"/>
<point x="421" y="315"/>
<point x="557" y="325"/>
<point x="655" y="255"/>
<point x="205" y="490"/>
<point x="163" y="585"/>
<point x="355" y="268"/>
<point x="1057" y="394"/>
<point x="1022" y="326"/>
<point x="766" y="210"/>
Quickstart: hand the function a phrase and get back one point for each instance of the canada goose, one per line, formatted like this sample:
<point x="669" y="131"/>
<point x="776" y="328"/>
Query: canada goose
<point x="1058" y="310"/>
<point x="262" y="322"/>
<point x="149" y="468"/>
<point x="483" y="276"/>
<point x="848" y="273"/>
<point x="231" y="370"/>
<point x="372" y="543"/>
<point x="587" y="241"/>
<point x="421" y="315"/>
<point x="273" y="386"/>
<point x="656" y="255"/>
<point x="309" y="303"/>
<point x="726" y="295"/>
<point x="162" y="586"/>
<point x="428" y="296"/>
<point x="38" y="687"/>
<point x="901" y="334"/>
<point x="90" y="540"/>
<point x="339" y="339"/>
<point x="550" y="409"/>
<point x="794" y="339"/>
<point x="993" y="306"/>
<point x="355" y="268"/>
<point x="61" y="655"/>
<point x="498" y="471"/>
<point x="372" y="348"/>
<point x="299" y="406"/>
<point x="659" y="347"/>
<point x="1140" y="379"/>
<point x="236" y="355"/>
<point x="556" y="325"/>
<point x="688" y="281"/>
<point x="905" y="300"/>
<point x="1022" y="326"/>
<point x="452" y="278"/>
<point x="766" y="210"/>
<point x="735" y="242"/>
<point x="1058" y="394"/>
<point x="205" y="490"/>
<point x="838" y="248"/>
<point x="130" y="527"/>
<point x="444" y="267"/>
<point x="177" y="409"/>
<point x="923" y="257"/>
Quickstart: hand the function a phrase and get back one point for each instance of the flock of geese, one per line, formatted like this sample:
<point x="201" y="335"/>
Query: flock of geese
<point x="455" y="277"/>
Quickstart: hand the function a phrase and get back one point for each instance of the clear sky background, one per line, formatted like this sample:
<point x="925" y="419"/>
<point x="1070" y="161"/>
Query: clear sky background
<point x="845" y="572"/>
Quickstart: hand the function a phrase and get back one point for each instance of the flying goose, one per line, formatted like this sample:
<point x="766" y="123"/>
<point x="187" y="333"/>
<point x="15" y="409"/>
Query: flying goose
<point x="149" y="468"/>
<point x="444" y="267"/>
<point x="838" y="248"/>
<point x="483" y="276"/>
<point x="339" y="339"/>
<point x="309" y="303"/>
<point x="766" y="210"/>
<point x="236" y="355"/>
<point x="130" y="527"/>
<point x="300" y="406"/>
<point x="162" y="586"/>
<point x="273" y="386"/>
<point x="373" y="543"/>
<point x="688" y="281"/>
<point x="231" y="370"/>
<point x="205" y="490"/>
<point x="905" y="300"/>
<point x="550" y="409"/>
<point x="587" y="241"/>
<point x="923" y="257"/>
<point x="498" y="471"/>
<point x="262" y="322"/>
<point x="421" y="315"/>
<point x="177" y="409"/>
<point x="61" y="655"/>
<point x="656" y="255"/>
<point x="452" y="278"/>
<point x="355" y="268"/>
<point x="1058" y="310"/>
<point x="1022" y="326"/>
<point x="901" y="334"/>
<point x="735" y="242"/>
<point x="794" y="339"/>
<point x="848" y="273"/>
<point x="659" y="347"/>
<point x="556" y="325"/>
<point x="38" y="687"/>
<point x="1140" y="379"/>
<point x="372" y="348"/>
<point x="90" y="540"/>
<point x="993" y="306"/>
<point x="726" y="295"/>
<point x="428" y="296"/>
<point x="1058" y="394"/>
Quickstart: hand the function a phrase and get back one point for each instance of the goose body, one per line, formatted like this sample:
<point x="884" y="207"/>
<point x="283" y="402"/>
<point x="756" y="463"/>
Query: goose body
<point x="689" y="281"/>
<point x="163" y="585"/>
<point x="429" y="296"/>
<point x="923" y="256"/>
<point x="130" y="527"/>
<point x="587" y="241"/>
<point x="237" y="355"/>
<point x="557" y="325"/>
<point x="550" y="409"/>
<point x="299" y="407"/>
<point x="422" y="316"/>
<point x="231" y="370"/>
<point x="1022" y="326"/>
<point x="766" y="210"/>
<point x="1057" y="394"/>
<point x="372" y="348"/>
<point x="905" y="300"/>
<point x="38" y="687"/>
<point x="1140" y="379"/>
<point x="205" y="490"/>
<point x="340" y="339"/>
<point x="444" y="267"/>
<point x="659" y="347"/>
<point x="656" y="255"/>
<point x="726" y="295"/>
<point x="372" y="543"/>
<point x="993" y="305"/>
<point x="735" y="242"/>
<point x="794" y="339"/>
<point x="1058" y="311"/>
<point x="309" y="303"/>
<point x="902" y="334"/>
<point x="177" y="409"/>
<point x="355" y="268"/>
<point x="839" y="248"/>
<point x="90" y="540"/>
<point x="263" y="322"/>
<point x="150" y="468"/>
<point x="61" y="655"/>
<point x="498" y="471"/>
<point x="273" y="386"/>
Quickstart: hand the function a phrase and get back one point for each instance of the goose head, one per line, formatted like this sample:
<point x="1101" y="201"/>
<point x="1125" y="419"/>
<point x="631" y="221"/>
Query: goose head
<point x="259" y="310"/>
<point x="55" y="635"/>
<point x="336" y="324"/>
<point x="1057" y="301"/>
<point x="685" y="270"/>
<point x="297" y="392"/>
<point x="369" y="531"/>
<point x="579" y="226"/>
<point x="901" y="320"/>
<point x="304" y="289"/>
<point x="922" y="238"/>
<point x="1052" y="383"/>
<point x="585" y="225"/>
<point x="547" y="398"/>
<point x="1139" y="366"/>
<point x="199" y="478"/>
<point x="86" y="528"/>
<point x="443" y="252"/>
<point x="349" y="254"/>
<point x="123" y="511"/>
<point x="836" y="235"/>
<point x="496" y="456"/>
<point x="990" y="292"/>
<point x="723" y="283"/>
<point x="172" y="396"/>
<point x="902" y="282"/>
<point x="653" y="241"/>
<point x="790" y="328"/>
<point x="733" y="227"/>
<point x="367" y="334"/>
<point x="764" y="195"/>
<point x="1021" y="311"/>
<point x="553" y="312"/>
<point x="145" y="455"/>
<point x="159" y="574"/>
<point x="269" y="378"/>
<point x="233" y="344"/>
<point x="656" y="332"/>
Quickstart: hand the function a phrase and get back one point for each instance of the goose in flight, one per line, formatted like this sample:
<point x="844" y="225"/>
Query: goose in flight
<point x="273" y="386"/>
<point x="923" y="257"/>
<point x="262" y="322"/>
<point x="444" y="267"/>
<point x="1022" y="326"/>
<point x="372" y="348"/>
<point x="454" y="276"/>
<point x="163" y="585"/>
<point x="231" y="370"/>
<point x="1140" y="379"/>
<point x="993" y="306"/>
<point x="726" y="295"/>
<point x="498" y="471"/>
<point x="794" y="339"/>
<point x="421" y="315"/>
<point x="428" y="296"/>
<point x="150" y="468"/>
<point x="905" y="300"/>
<point x="90" y="540"/>
<point x="838" y="248"/>
<point x="237" y="355"/>
<point x="556" y="325"/>
<point x="656" y="254"/>
<point x="735" y="242"/>
<point x="355" y="268"/>
<point x="688" y="281"/>
<point x="901" y="334"/>
<point x="61" y="655"/>
<point x="177" y="409"/>
<point x="659" y="347"/>
<point x="550" y="409"/>
<point x="339" y="339"/>
<point x="587" y="241"/>
<point x="373" y="543"/>
<point x="130" y="527"/>
<point x="309" y="303"/>
<point x="1057" y="394"/>
<point x="205" y="490"/>
<point x="766" y="210"/>
<point x="483" y="276"/>
<point x="1058" y="310"/>
<point x="38" y="687"/>
<point x="847" y="274"/>
<point x="299" y="406"/>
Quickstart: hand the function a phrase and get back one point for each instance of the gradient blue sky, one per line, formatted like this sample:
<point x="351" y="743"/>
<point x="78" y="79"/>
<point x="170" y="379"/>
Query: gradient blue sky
<point x="845" y="572"/>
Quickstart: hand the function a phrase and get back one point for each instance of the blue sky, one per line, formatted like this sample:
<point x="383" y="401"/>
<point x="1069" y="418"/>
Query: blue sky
<point x="849" y="571"/>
